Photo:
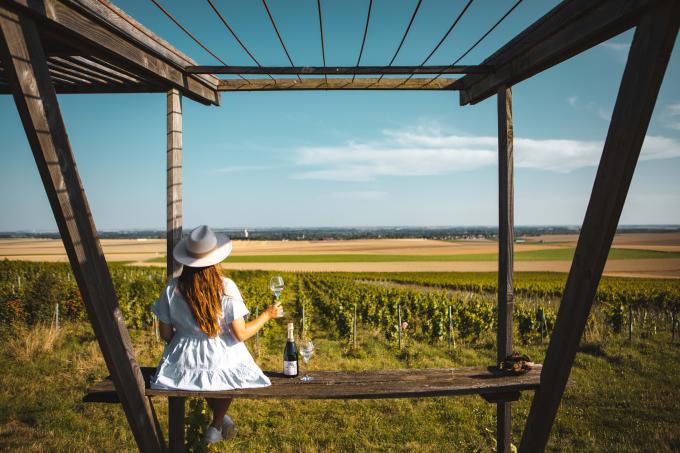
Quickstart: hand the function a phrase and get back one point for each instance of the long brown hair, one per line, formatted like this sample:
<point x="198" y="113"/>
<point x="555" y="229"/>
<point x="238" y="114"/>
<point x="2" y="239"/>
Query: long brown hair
<point x="203" y="288"/>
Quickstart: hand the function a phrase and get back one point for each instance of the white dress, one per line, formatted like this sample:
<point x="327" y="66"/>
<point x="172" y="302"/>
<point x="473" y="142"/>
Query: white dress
<point x="192" y="360"/>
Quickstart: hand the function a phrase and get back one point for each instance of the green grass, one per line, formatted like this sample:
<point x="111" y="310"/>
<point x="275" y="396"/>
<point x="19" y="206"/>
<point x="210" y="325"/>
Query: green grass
<point x="624" y="398"/>
<point x="561" y="254"/>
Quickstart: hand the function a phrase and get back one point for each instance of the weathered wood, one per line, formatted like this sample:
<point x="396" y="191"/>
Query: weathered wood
<point x="95" y="36"/>
<point x="107" y="68"/>
<point x="501" y="398"/>
<point x="174" y="181"/>
<point x="569" y="29"/>
<point x="66" y="87"/>
<point x="647" y="60"/>
<point x="26" y="68"/>
<point x="77" y="72"/>
<point x="506" y="241"/>
<point x="403" y="383"/>
<point x="338" y="70"/>
<point x="336" y="84"/>
<point x="89" y="70"/>
<point x="176" y="407"/>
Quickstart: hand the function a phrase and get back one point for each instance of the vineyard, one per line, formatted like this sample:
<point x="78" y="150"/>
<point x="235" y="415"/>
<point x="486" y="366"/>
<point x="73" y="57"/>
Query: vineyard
<point x="447" y="320"/>
<point x="433" y="307"/>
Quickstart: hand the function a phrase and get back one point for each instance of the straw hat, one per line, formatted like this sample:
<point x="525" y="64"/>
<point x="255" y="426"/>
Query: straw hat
<point x="202" y="248"/>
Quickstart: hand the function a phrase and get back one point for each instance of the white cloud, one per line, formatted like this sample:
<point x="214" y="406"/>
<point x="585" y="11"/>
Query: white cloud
<point x="618" y="49"/>
<point x="240" y="168"/>
<point x="588" y="106"/>
<point x="367" y="195"/>
<point x="424" y="152"/>
<point x="671" y="116"/>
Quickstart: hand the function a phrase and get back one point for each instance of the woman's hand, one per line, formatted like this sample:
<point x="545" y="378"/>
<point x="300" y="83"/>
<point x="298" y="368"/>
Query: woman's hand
<point x="242" y="330"/>
<point x="275" y="310"/>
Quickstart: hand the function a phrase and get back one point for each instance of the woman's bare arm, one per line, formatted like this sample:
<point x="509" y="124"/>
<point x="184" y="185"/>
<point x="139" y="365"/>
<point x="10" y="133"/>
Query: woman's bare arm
<point x="243" y="330"/>
<point x="166" y="331"/>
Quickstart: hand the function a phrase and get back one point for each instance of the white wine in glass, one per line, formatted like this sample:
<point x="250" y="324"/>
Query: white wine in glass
<point x="276" y="285"/>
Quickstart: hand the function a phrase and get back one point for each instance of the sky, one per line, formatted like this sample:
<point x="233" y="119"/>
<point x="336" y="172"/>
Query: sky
<point x="365" y="158"/>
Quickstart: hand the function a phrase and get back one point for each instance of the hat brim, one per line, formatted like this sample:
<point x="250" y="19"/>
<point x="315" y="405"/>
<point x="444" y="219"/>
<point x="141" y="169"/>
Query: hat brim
<point x="221" y="251"/>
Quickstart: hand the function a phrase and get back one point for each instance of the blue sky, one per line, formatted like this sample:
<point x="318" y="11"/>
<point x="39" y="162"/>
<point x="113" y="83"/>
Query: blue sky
<point x="351" y="158"/>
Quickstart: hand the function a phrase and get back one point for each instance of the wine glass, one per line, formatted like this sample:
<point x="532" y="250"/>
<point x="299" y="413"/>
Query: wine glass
<point x="307" y="350"/>
<point x="276" y="285"/>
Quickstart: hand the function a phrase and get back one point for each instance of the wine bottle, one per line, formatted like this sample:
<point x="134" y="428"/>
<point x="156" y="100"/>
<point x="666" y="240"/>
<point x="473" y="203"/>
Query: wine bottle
<point x="290" y="355"/>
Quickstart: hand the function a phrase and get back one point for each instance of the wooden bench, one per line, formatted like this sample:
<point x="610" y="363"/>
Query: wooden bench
<point x="487" y="382"/>
<point x="401" y="383"/>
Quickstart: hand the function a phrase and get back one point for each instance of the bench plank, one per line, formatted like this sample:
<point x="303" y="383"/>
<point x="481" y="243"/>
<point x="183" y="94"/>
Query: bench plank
<point x="401" y="383"/>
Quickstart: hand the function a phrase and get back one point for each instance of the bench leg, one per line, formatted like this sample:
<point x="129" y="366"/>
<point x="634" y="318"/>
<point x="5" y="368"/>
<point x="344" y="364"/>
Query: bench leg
<point x="503" y="427"/>
<point x="176" y="406"/>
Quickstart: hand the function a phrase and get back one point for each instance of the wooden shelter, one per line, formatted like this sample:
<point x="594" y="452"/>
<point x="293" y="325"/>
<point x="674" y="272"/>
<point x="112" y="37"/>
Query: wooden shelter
<point x="48" y="47"/>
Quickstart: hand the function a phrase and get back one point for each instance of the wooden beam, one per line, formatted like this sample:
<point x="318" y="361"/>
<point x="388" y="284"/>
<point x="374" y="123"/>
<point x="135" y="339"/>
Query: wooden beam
<point x="26" y="68"/>
<point x="90" y="70"/>
<point x="338" y="70"/>
<point x="647" y="60"/>
<point x="65" y="68"/>
<point x="569" y="29"/>
<point x="336" y="84"/>
<point x="173" y="181"/>
<point x="93" y="35"/>
<point x="506" y="241"/>
<point x="176" y="409"/>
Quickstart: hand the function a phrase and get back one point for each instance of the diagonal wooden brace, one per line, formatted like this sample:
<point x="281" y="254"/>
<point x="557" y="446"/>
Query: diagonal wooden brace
<point x="26" y="68"/>
<point x="645" y="69"/>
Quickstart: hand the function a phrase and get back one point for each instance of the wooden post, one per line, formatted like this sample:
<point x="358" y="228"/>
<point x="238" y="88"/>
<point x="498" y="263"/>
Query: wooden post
<point x="174" y="180"/>
<point x="354" y="327"/>
<point x="399" y="325"/>
<point x="647" y="60"/>
<point x="176" y="406"/>
<point x="26" y="69"/>
<point x="505" y="255"/>
<point x="451" y="341"/>
<point x="630" y="323"/>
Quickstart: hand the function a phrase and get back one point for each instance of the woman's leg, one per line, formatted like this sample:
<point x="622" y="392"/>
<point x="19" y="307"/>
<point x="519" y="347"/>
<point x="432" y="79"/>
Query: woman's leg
<point x="219" y="407"/>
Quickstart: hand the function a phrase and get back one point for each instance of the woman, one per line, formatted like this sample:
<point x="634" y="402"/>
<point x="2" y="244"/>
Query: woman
<point x="201" y="316"/>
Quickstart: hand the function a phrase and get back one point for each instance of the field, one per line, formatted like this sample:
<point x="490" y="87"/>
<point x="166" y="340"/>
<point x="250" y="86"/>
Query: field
<point x="624" y="396"/>
<point x="633" y="254"/>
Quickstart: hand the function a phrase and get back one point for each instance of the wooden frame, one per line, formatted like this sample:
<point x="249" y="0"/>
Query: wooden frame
<point x="83" y="27"/>
<point x="506" y="241"/>
<point x="338" y="70"/>
<point x="28" y="75"/>
<point x="646" y="66"/>
<point x="442" y="83"/>
<point x="78" y="46"/>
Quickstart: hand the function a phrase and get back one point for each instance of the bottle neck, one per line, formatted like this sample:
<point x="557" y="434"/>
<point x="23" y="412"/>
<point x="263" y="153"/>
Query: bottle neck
<point x="290" y="332"/>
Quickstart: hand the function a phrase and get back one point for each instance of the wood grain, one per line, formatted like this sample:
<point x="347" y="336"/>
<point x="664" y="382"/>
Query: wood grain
<point x="336" y="84"/>
<point x="374" y="384"/>
<point x="173" y="181"/>
<point x="91" y="34"/>
<point x="28" y="75"/>
<point x="647" y="61"/>
<point x="506" y="241"/>
<point x="338" y="70"/>
<point x="567" y="30"/>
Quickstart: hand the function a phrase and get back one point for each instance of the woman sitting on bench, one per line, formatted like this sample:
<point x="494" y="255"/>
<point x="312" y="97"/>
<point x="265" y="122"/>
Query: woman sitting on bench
<point x="201" y="316"/>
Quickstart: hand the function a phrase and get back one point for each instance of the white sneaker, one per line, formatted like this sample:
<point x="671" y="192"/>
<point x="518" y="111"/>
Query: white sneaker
<point x="212" y="435"/>
<point x="228" y="428"/>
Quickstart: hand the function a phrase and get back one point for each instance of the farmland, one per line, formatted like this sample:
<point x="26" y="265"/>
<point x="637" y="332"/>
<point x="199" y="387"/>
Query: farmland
<point x="618" y="382"/>
<point x="633" y="254"/>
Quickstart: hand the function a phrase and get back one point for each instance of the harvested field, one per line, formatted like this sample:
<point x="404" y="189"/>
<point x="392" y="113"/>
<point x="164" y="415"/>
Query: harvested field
<point x="389" y="255"/>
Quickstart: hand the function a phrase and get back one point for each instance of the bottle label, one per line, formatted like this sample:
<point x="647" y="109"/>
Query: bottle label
<point x="290" y="368"/>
